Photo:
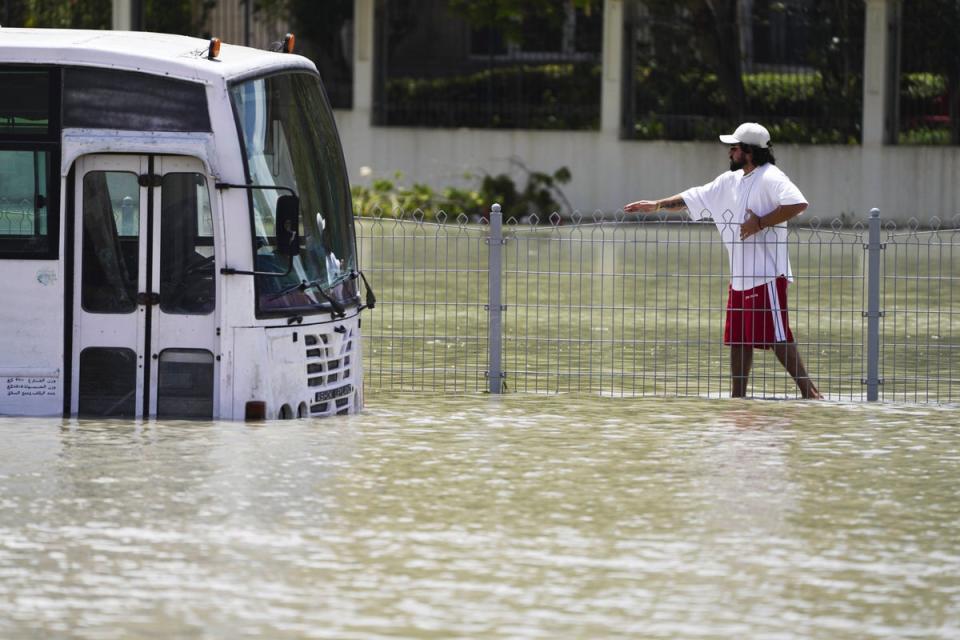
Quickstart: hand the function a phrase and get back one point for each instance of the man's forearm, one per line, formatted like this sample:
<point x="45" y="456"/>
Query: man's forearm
<point x="673" y="203"/>
<point x="782" y="214"/>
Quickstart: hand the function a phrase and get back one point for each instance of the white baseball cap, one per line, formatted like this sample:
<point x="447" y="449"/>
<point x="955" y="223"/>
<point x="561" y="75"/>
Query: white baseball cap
<point x="749" y="133"/>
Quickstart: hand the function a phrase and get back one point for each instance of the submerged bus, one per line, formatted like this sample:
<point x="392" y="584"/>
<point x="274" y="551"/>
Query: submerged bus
<point x="176" y="232"/>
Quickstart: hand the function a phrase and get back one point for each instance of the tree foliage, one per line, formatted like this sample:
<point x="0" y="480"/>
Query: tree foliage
<point x="506" y="16"/>
<point x="60" y="14"/>
<point x="166" y="16"/>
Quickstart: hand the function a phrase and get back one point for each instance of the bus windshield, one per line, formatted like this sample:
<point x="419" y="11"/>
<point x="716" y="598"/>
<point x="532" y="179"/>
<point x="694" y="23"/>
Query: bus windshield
<point x="290" y="139"/>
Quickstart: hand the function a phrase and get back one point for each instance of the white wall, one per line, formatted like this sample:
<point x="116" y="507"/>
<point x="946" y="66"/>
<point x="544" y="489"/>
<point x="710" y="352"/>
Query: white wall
<point x="903" y="182"/>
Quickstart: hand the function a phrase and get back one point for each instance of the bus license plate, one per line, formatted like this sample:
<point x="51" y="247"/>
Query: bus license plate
<point x="331" y="394"/>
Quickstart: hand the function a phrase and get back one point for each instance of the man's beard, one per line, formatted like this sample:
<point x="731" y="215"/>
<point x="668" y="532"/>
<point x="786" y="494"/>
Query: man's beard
<point x="736" y="166"/>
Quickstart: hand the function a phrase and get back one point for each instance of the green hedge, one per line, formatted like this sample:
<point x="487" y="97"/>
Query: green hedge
<point x="796" y="107"/>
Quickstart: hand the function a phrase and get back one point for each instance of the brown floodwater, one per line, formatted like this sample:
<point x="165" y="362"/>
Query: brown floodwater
<point x="480" y="517"/>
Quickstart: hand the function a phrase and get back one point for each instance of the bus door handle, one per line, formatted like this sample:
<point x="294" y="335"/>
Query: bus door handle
<point x="148" y="299"/>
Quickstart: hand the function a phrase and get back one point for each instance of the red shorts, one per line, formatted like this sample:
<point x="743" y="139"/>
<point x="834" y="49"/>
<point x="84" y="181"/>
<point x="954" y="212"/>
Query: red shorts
<point x="758" y="317"/>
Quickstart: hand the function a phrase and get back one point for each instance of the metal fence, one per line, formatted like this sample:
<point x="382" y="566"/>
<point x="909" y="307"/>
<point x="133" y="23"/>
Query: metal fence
<point x="636" y="308"/>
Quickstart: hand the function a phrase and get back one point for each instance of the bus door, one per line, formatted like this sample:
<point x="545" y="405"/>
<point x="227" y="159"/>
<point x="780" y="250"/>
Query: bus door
<point x="144" y="295"/>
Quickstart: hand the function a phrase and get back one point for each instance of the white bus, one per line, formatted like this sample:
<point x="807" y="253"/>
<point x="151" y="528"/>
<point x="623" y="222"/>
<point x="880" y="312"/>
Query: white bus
<point x="176" y="232"/>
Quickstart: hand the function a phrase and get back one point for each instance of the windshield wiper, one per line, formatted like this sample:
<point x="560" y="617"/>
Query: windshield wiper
<point x="338" y="309"/>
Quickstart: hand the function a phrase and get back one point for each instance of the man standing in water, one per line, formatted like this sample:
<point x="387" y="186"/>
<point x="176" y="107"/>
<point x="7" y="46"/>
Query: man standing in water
<point x="750" y="205"/>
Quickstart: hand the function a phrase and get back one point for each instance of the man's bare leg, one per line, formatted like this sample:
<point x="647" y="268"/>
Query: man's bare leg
<point x="789" y="357"/>
<point x="741" y="359"/>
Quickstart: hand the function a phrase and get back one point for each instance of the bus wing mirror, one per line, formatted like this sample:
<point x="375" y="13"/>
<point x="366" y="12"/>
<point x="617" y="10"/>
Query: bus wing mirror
<point x="288" y="226"/>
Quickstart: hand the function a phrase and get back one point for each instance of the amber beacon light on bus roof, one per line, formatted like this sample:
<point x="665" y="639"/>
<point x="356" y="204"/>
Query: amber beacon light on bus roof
<point x="214" y="50"/>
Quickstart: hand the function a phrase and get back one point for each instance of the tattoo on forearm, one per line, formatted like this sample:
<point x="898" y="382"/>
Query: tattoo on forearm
<point x="672" y="203"/>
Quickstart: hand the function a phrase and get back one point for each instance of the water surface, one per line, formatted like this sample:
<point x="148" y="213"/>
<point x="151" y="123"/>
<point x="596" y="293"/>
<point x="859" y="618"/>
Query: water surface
<point x="520" y="516"/>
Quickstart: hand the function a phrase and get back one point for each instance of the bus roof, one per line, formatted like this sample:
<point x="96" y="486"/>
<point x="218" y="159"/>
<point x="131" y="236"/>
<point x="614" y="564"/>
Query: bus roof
<point x="158" y="53"/>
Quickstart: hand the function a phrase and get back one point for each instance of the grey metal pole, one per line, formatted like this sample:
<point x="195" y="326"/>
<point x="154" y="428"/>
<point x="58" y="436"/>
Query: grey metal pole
<point x="495" y="300"/>
<point x="873" y="307"/>
<point x="122" y="15"/>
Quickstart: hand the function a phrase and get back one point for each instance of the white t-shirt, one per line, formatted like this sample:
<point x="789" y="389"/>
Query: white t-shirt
<point x="761" y="257"/>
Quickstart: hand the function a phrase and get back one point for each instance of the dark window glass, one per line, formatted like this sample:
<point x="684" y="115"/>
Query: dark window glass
<point x="542" y="32"/>
<point x="108" y="382"/>
<point x="535" y="66"/>
<point x="24" y="222"/>
<point x="929" y="81"/>
<point x="186" y="245"/>
<point x="185" y="384"/>
<point x="24" y="102"/>
<point x="487" y="41"/>
<point x="109" y="99"/>
<point x="111" y="242"/>
<point x="29" y="162"/>
<point x="794" y="65"/>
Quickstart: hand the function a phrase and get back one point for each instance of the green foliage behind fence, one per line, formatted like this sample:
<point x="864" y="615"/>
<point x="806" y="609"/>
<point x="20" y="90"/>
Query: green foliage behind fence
<point x="547" y="96"/>
<point x="794" y="107"/>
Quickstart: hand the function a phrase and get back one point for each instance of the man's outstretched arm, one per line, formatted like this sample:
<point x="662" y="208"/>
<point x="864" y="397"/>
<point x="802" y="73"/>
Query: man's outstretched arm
<point x="673" y="203"/>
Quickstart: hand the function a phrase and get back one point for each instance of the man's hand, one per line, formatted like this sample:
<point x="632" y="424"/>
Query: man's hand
<point x="641" y="206"/>
<point x="750" y="226"/>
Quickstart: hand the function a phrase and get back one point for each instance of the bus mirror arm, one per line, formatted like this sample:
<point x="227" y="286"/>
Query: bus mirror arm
<point x="249" y="187"/>
<point x="229" y="271"/>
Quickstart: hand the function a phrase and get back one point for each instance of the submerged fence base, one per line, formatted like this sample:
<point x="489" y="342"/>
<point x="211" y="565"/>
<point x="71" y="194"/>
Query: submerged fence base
<point x="636" y="308"/>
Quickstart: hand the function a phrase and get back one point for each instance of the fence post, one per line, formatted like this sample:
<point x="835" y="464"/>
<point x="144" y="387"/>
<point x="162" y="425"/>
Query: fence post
<point x="873" y="312"/>
<point x="494" y="300"/>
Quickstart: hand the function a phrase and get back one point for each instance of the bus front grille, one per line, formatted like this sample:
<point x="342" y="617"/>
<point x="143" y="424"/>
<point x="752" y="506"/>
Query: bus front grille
<point x="330" y="374"/>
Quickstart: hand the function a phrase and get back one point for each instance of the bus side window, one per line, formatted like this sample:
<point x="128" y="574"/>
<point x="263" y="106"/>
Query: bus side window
<point x="24" y="224"/>
<point x="29" y="158"/>
<point x="187" y="282"/>
<point x="110" y="280"/>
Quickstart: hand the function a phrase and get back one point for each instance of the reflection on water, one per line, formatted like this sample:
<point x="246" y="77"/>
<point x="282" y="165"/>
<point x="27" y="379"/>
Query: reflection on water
<point x="531" y="517"/>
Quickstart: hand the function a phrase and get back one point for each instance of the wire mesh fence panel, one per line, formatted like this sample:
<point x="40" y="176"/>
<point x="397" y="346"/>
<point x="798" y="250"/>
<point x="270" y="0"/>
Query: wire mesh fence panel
<point x="623" y="309"/>
<point x="920" y="327"/>
<point x="826" y="306"/>
<point x="429" y="329"/>
<point x="637" y="308"/>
